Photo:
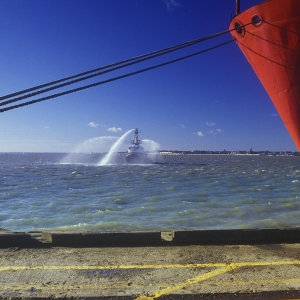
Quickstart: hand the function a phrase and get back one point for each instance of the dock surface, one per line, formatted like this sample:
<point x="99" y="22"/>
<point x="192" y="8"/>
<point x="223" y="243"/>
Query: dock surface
<point x="232" y="270"/>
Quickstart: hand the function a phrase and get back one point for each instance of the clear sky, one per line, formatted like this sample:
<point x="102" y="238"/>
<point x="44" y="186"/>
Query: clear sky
<point x="212" y="101"/>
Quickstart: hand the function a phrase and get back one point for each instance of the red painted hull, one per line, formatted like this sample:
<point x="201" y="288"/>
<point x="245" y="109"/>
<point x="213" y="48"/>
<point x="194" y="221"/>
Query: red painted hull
<point x="272" y="46"/>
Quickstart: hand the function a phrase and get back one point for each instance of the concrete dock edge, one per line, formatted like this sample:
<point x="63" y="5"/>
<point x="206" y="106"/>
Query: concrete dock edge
<point x="149" y="238"/>
<point x="14" y="239"/>
<point x="238" y="236"/>
<point x="103" y="239"/>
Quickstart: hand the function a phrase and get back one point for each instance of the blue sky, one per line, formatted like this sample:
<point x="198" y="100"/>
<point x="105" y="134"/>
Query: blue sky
<point x="212" y="101"/>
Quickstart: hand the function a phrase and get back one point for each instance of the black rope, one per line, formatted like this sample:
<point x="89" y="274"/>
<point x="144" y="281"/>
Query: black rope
<point x="117" y="65"/>
<point x="107" y="69"/>
<point x="262" y="55"/>
<point x="132" y="60"/>
<point x="281" y="28"/>
<point x="112" y="79"/>
<point x="274" y="43"/>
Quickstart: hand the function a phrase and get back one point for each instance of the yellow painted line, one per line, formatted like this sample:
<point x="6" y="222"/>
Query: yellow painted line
<point x="222" y="268"/>
<point x="47" y="287"/>
<point x="109" y="286"/>
<point x="166" y="266"/>
<point x="209" y="275"/>
<point x="156" y="294"/>
<point x="190" y="281"/>
<point x="266" y="263"/>
<point x="36" y="287"/>
<point x="258" y="282"/>
<point x="159" y="266"/>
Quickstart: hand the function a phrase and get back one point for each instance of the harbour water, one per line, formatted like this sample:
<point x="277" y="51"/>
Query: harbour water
<point x="44" y="191"/>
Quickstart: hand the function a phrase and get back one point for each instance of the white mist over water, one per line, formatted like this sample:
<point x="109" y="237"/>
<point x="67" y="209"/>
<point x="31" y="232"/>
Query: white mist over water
<point x="152" y="148"/>
<point x="108" y="158"/>
<point x="100" y="144"/>
<point x="111" y="146"/>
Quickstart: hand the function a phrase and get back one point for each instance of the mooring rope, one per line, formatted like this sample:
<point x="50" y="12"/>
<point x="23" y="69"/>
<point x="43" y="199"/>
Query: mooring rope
<point x="103" y="70"/>
<point x="116" y="66"/>
<point x="111" y="79"/>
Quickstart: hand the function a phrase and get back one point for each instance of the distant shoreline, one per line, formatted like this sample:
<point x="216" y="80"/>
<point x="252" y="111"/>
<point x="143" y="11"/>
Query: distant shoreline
<point x="254" y="153"/>
<point x="177" y="152"/>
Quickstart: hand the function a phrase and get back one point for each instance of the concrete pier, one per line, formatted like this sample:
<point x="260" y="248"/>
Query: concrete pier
<point x="214" y="264"/>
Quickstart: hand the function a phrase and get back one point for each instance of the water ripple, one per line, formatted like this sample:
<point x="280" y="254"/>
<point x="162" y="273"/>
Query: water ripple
<point x="186" y="192"/>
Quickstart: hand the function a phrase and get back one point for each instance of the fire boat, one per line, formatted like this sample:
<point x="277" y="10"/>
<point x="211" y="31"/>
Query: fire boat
<point x="136" y="153"/>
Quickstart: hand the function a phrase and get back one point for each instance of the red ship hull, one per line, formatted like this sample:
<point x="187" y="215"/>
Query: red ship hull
<point x="271" y="43"/>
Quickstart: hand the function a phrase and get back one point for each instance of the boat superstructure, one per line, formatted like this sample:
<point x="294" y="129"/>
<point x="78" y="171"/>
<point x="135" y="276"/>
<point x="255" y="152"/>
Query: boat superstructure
<point x="136" y="153"/>
<point x="268" y="34"/>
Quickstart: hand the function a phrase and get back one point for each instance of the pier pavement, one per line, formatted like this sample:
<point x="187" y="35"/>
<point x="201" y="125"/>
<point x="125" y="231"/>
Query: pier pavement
<point x="216" y="264"/>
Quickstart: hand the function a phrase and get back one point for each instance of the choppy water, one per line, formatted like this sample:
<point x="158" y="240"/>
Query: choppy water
<point x="185" y="192"/>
